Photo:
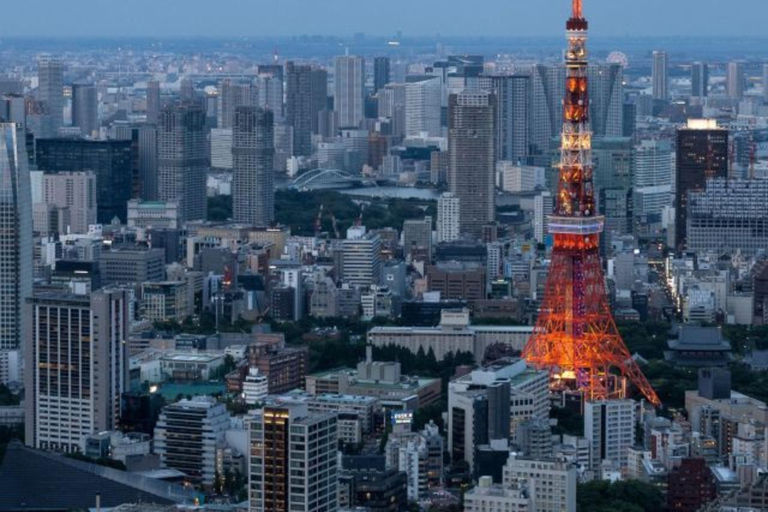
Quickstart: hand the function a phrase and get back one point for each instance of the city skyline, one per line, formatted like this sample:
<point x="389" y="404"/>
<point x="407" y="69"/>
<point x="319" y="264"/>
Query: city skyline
<point x="87" y="18"/>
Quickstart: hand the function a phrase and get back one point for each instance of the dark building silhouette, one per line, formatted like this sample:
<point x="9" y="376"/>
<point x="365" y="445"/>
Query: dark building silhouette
<point x="702" y="153"/>
<point x="110" y="160"/>
<point x="85" y="105"/>
<point x="690" y="486"/>
<point x="381" y="73"/>
<point x="253" y="150"/>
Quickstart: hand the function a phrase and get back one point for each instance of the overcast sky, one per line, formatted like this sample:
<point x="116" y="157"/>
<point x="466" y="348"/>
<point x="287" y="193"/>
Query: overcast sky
<point x="381" y="17"/>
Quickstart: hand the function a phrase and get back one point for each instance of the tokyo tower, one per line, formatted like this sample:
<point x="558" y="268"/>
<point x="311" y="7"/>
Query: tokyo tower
<point x="575" y="337"/>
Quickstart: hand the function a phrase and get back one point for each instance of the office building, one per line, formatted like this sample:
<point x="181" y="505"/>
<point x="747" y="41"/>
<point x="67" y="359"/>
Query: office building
<point x="765" y="83"/>
<point x="164" y="301"/>
<point x="652" y="180"/>
<point x="543" y="207"/>
<point x="232" y="95"/>
<point x="728" y="215"/>
<point x="349" y="90"/>
<point x="300" y="475"/>
<point x="77" y="366"/>
<point x="609" y="425"/>
<point x="221" y="148"/>
<point x="373" y="488"/>
<point x="306" y="96"/>
<point x="548" y="82"/>
<point x="487" y="497"/>
<point x="471" y="167"/>
<point x="735" y="80"/>
<point x="253" y="149"/>
<point x="423" y="100"/>
<point x="660" y="76"/>
<point x="513" y="115"/>
<point x="153" y="215"/>
<point x="131" y="265"/>
<point x="514" y="177"/>
<point x="85" y="108"/>
<point x="702" y="153"/>
<point x="552" y="482"/>
<point x="284" y="367"/>
<point x="699" y="80"/>
<point x="182" y="161"/>
<point x="16" y="245"/>
<point x="153" y="101"/>
<point x="691" y="486"/>
<point x="360" y="257"/>
<point x="270" y="88"/>
<point x="448" y="212"/>
<point x="381" y="73"/>
<point x="417" y="454"/>
<point x="606" y="94"/>
<point x="612" y="162"/>
<point x="110" y="160"/>
<point x="187" y="435"/>
<point x="392" y="107"/>
<point x="417" y="237"/>
<point x="73" y="196"/>
<point x="50" y="92"/>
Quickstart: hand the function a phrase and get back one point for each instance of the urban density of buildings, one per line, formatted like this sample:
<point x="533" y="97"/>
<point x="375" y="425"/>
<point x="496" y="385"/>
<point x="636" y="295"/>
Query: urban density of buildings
<point x="394" y="269"/>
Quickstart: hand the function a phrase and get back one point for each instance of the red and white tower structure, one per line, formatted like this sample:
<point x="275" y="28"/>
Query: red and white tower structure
<point x="575" y="337"/>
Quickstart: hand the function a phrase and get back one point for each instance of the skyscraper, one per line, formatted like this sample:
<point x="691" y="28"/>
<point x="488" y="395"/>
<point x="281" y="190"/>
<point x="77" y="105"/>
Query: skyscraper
<point x="153" y="101"/>
<point x="77" y="366"/>
<point x="392" y="107"/>
<point x="702" y="153"/>
<point x="110" y="160"/>
<point x="50" y="91"/>
<point x="606" y="94"/>
<point x="270" y="88"/>
<point x="293" y="460"/>
<point x="735" y="80"/>
<point x="349" y="87"/>
<point x="380" y="73"/>
<point x="651" y="180"/>
<point x="231" y="96"/>
<point x="513" y="115"/>
<point x="15" y="239"/>
<point x="85" y="108"/>
<point x="546" y="106"/>
<point x="660" y="78"/>
<point x="765" y="83"/>
<point x="609" y="425"/>
<point x="307" y="95"/>
<point x="182" y="165"/>
<point x="253" y="148"/>
<point x="471" y="167"/>
<point x="699" y="80"/>
<point x="423" y="98"/>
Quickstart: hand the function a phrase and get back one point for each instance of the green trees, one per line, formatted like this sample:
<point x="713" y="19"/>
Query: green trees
<point x="623" y="496"/>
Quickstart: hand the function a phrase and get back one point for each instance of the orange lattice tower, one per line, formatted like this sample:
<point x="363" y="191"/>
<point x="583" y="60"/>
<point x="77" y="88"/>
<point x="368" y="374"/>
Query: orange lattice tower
<point x="575" y="337"/>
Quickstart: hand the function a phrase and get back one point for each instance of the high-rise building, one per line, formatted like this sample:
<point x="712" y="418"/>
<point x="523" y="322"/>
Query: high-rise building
<point x="765" y="83"/>
<point x="735" y="80"/>
<point x="472" y="161"/>
<point x="270" y="88"/>
<point x="231" y="96"/>
<point x="381" y="73"/>
<point x="85" y="108"/>
<point x="221" y="148"/>
<point x="612" y="157"/>
<point x="306" y="96"/>
<point x="253" y="148"/>
<point x="543" y="206"/>
<point x="153" y="101"/>
<point x="691" y="486"/>
<point x="417" y="237"/>
<point x="729" y="215"/>
<point x="609" y="425"/>
<point x="513" y="115"/>
<point x="606" y="95"/>
<point x="110" y="160"/>
<point x="16" y="244"/>
<point x="50" y="91"/>
<point x="699" y="80"/>
<point x="660" y="76"/>
<point x="349" y="90"/>
<point x="652" y="180"/>
<point x="146" y="137"/>
<point x="361" y="257"/>
<point x="448" y="212"/>
<point x="392" y="106"/>
<point x="187" y="435"/>
<point x="546" y="106"/>
<point x="73" y="195"/>
<point x="292" y="463"/>
<point x="702" y="153"/>
<point x="77" y="366"/>
<point x="182" y="161"/>
<point x="423" y="100"/>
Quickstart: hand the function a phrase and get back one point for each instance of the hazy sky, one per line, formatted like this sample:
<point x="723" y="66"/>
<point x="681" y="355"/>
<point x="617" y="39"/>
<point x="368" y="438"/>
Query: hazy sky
<point x="381" y="17"/>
